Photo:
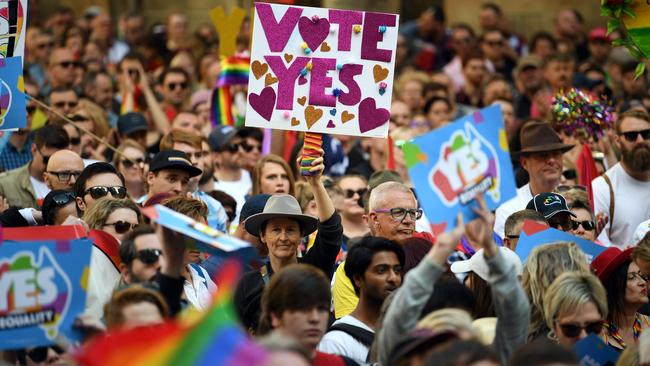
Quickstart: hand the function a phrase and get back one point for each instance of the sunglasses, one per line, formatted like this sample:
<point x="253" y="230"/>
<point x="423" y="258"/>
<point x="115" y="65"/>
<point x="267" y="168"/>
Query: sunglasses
<point x="68" y="104"/>
<point x="149" y="256"/>
<point x="233" y="148"/>
<point x="173" y="86"/>
<point x="46" y="158"/>
<point x="494" y="43"/>
<point x="570" y="174"/>
<point x="64" y="176"/>
<point x="128" y="164"/>
<point x="572" y="330"/>
<point x="121" y="227"/>
<point x="39" y="354"/>
<point x="248" y="148"/>
<point x="349" y="193"/>
<point x="98" y="192"/>
<point x="564" y="225"/>
<point x="564" y="187"/>
<point x="399" y="213"/>
<point x="45" y="45"/>
<point x="69" y="64"/>
<point x="587" y="225"/>
<point x="631" y="136"/>
<point x="62" y="199"/>
<point x="31" y="109"/>
<point x="75" y="141"/>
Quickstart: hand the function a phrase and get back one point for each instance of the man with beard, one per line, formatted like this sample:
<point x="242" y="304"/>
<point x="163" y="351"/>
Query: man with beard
<point x="375" y="266"/>
<point x="623" y="192"/>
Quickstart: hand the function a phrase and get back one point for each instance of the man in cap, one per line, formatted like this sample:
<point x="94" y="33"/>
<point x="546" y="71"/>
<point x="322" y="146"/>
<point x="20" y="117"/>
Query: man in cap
<point x="555" y="210"/>
<point x="169" y="171"/>
<point x="132" y="126"/>
<point x="229" y="177"/>
<point x="528" y="81"/>
<point x="63" y="168"/>
<point x="541" y="156"/>
<point x="600" y="46"/>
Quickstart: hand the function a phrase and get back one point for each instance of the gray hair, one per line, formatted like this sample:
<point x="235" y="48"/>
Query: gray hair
<point x="384" y="190"/>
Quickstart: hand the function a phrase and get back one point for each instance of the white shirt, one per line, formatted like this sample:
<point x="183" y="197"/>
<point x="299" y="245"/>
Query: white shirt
<point x="511" y="206"/>
<point x="101" y="281"/>
<point x="237" y="189"/>
<point x="338" y="342"/>
<point x="40" y="188"/>
<point x="199" y="289"/>
<point x="631" y="205"/>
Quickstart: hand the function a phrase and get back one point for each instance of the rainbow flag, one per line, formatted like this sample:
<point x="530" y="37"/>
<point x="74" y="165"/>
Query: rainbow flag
<point x="209" y="338"/>
<point x="234" y="71"/>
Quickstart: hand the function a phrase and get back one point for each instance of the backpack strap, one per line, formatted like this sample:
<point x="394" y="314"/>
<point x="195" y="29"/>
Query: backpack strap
<point x="611" y="202"/>
<point x="364" y="336"/>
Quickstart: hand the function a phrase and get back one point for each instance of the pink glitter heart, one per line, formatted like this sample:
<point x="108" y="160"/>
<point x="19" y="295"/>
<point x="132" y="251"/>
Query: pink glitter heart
<point x="330" y="124"/>
<point x="313" y="32"/>
<point x="301" y="80"/>
<point x="263" y="103"/>
<point x="371" y="117"/>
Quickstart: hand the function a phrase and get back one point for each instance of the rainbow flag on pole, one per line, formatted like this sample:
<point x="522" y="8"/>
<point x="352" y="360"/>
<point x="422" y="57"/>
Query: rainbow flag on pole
<point x="211" y="338"/>
<point x="234" y="71"/>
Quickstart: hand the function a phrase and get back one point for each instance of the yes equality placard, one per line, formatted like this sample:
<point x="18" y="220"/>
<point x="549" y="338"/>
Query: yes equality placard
<point x="13" y="112"/>
<point x="321" y="70"/>
<point x="451" y="165"/>
<point x="42" y="291"/>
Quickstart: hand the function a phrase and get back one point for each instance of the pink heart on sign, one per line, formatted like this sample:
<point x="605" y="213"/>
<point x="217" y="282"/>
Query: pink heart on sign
<point x="263" y="103"/>
<point x="313" y="32"/>
<point x="301" y="80"/>
<point x="371" y="117"/>
<point x="330" y="124"/>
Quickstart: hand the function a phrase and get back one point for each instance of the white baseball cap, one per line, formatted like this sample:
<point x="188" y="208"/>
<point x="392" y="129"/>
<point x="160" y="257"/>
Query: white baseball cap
<point x="478" y="264"/>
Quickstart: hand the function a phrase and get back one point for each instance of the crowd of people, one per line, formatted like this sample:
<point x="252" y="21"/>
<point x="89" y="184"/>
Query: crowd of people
<point x="349" y="271"/>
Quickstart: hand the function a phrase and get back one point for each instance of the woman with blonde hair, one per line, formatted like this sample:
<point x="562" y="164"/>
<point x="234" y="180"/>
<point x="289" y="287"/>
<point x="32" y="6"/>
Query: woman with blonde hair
<point x="575" y="305"/>
<point x="130" y="162"/>
<point x="272" y="175"/>
<point x="450" y="319"/>
<point x="543" y="265"/>
<point x="114" y="216"/>
<point x="92" y="118"/>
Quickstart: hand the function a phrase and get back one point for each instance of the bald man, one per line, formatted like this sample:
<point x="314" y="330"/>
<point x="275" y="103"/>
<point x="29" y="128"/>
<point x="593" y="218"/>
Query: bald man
<point x="63" y="168"/>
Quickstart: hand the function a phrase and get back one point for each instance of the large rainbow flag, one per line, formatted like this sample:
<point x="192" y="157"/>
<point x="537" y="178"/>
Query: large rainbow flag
<point x="209" y="338"/>
<point x="234" y="71"/>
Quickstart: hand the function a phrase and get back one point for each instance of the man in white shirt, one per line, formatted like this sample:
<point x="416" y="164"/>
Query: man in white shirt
<point x="623" y="192"/>
<point x="375" y="267"/>
<point x="541" y="156"/>
<point x="226" y="145"/>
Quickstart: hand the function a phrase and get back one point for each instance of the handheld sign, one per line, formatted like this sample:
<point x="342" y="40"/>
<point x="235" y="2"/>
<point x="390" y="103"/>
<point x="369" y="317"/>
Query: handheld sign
<point x="42" y="290"/>
<point x="13" y="24"/>
<point x="13" y="112"/>
<point x="450" y="166"/>
<point x="592" y="351"/>
<point x="527" y="242"/>
<point x="321" y="70"/>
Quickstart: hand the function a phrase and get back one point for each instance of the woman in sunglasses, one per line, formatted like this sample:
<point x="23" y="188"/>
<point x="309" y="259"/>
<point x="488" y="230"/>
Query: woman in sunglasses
<point x="584" y="224"/>
<point x="627" y="292"/>
<point x="575" y="305"/>
<point x="129" y="161"/>
<point x="114" y="216"/>
<point x="57" y="206"/>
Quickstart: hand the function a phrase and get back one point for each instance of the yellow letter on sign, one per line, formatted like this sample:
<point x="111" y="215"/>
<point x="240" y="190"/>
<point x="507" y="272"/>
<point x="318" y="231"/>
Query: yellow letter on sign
<point x="227" y="27"/>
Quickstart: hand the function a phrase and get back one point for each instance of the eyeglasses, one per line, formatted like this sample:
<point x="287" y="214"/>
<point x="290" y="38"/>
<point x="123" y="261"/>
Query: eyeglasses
<point x="149" y="256"/>
<point x="173" y="86"/>
<point x="565" y="224"/>
<point x="631" y="136"/>
<point x="39" y="354"/>
<point x="494" y="43"/>
<point x="68" y="64"/>
<point x="62" y="199"/>
<point x="64" y="176"/>
<point x="121" y="227"/>
<point x="349" y="193"/>
<point x="573" y="330"/>
<point x="634" y="275"/>
<point x="587" y="225"/>
<point x="399" y="213"/>
<point x="128" y="164"/>
<point x="98" y="192"/>
<point x="62" y="104"/>
<point x="248" y="148"/>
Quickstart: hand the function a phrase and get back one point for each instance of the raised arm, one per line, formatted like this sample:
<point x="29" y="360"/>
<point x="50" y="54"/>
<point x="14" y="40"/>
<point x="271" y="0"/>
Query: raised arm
<point x="157" y="114"/>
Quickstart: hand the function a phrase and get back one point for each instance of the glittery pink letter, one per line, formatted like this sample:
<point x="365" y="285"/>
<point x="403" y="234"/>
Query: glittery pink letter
<point x="346" y="77"/>
<point x="372" y="36"/>
<point x="319" y="81"/>
<point x="277" y="34"/>
<point x="345" y="19"/>
<point x="286" y="78"/>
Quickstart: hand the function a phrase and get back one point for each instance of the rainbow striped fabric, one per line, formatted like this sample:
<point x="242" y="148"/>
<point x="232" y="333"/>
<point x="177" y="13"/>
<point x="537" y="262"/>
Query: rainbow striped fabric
<point x="209" y="338"/>
<point x="234" y="71"/>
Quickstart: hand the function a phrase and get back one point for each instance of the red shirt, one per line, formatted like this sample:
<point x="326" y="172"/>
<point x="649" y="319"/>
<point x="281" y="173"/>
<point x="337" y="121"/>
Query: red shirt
<point x="326" y="359"/>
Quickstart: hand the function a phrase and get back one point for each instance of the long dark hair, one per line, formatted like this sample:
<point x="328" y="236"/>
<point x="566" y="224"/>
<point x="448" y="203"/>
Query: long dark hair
<point x="484" y="307"/>
<point x="615" y="285"/>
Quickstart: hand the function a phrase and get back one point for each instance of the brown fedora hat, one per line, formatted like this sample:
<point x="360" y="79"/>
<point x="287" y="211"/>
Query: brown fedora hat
<point x="537" y="137"/>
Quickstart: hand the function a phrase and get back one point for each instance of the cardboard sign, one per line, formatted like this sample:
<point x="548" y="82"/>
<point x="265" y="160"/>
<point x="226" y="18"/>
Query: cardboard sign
<point x="13" y="112"/>
<point x="592" y="351"/>
<point x="42" y="290"/>
<point x="13" y="23"/>
<point x="451" y="165"/>
<point x="321" y="70"/>
<point x="527" y="242"/>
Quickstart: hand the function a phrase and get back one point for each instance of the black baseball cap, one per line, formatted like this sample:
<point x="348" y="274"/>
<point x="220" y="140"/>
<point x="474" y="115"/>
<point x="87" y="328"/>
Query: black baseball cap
<point x="131" y="122"/>
<point x="549" y="204"/>
<point x="253" y="205"/>
<point x="173" y="159"/>
<point x="220" y="136"/>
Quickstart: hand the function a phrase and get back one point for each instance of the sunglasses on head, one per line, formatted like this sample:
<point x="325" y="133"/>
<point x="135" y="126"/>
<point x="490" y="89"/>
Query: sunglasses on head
<point x="631" y="136"/>
<point x="149" y="256"/>
<point x="173" y="86"/>
<point x="130" y="163"/>
<point x="587" y="225"/>
<point x="573" y="330"/>
<point x="121" y="227"/>
<point x="349" y="193"/>
<point x="98" y="192"/>
<point x="39" y="354"/>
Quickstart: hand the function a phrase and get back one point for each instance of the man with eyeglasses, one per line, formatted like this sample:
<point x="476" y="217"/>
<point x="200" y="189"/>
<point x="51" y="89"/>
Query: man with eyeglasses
<point x="24" y="186"/>
<point x="554" y="208"/>
<point x="623" y="192"/>
<point x="140" y="253"/>
<point x="63" y="100"/>
<point x="227" y="150"/>
<point x="63" y="168"/>
<point x="175" y="90"/>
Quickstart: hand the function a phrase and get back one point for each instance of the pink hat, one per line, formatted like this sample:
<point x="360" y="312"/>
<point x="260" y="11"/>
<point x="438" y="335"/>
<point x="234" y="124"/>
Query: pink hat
<point x="200" y="96"/>
<point x="608" y="261"/>
<point x="599" y="34"/>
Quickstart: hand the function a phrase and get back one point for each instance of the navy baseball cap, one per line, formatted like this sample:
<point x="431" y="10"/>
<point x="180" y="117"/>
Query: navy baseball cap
<point x="220" y="136"/>
<point x="253" y="205"/>
<point x="131" y="122"/>
<point x="549" y="204"/>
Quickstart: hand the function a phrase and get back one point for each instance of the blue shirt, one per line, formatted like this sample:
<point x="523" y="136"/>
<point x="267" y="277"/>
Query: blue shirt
<point x="11" y="158"/>
<point x="217" y="216"/>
